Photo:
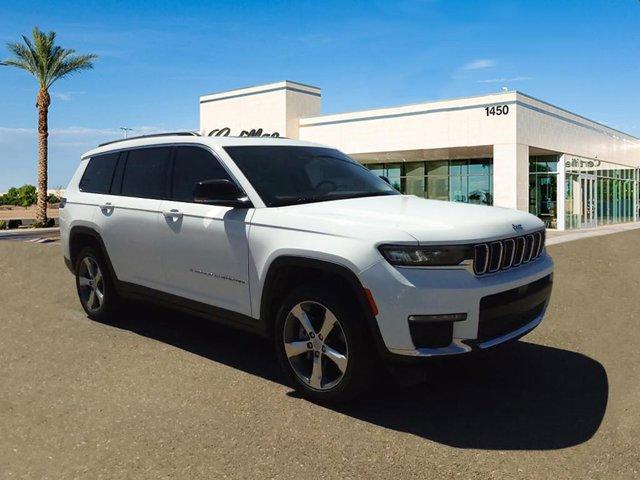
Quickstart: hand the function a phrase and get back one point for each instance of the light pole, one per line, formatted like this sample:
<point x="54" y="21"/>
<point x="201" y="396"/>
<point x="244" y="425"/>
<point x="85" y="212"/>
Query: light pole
<point x="126" y="130"/>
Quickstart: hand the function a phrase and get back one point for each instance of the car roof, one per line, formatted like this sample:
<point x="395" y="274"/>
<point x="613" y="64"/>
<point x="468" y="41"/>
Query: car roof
<point x="195" y="139"/>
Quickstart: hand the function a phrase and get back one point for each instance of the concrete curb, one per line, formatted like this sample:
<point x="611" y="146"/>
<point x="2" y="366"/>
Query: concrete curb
<point x="28" y="232"/>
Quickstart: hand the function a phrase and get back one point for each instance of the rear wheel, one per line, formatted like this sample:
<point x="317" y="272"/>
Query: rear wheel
<point x="94" y="284"/>
<point x="322" y="344"/>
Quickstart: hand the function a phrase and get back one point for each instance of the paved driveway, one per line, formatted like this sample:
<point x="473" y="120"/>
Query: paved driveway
<point x="161" y="395"/>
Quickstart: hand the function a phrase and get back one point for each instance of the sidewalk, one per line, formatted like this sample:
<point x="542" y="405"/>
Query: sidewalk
<point x="555" y="237"/>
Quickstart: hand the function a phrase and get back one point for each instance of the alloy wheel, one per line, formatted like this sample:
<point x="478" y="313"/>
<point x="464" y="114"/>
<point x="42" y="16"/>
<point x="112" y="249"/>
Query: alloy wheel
<point x="91" y="284"/>
<point x="315" y="345"/>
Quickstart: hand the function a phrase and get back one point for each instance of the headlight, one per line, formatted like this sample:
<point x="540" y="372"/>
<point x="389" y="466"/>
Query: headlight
<point x="426" y="256"/>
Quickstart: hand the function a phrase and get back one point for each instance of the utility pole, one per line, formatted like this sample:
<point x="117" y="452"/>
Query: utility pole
<point x="126" y="130"/>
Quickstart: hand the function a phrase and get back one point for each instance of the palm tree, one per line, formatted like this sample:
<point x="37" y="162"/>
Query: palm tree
<point x="47" y="62"/>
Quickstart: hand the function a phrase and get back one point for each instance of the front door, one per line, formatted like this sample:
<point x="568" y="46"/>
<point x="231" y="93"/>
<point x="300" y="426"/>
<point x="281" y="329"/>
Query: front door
<point x="204" y="248"/>
<point x="588" y="186"/>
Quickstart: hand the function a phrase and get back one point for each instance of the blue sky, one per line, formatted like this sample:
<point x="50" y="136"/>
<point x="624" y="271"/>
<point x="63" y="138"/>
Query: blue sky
<point x="157" y="58"/>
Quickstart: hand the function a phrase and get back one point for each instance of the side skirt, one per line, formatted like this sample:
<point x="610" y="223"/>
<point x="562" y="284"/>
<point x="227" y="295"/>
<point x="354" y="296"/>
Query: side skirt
<point x="192" y="307"/>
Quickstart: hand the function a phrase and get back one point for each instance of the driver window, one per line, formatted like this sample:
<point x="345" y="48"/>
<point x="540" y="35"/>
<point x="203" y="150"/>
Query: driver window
<point x="190" y="166"/>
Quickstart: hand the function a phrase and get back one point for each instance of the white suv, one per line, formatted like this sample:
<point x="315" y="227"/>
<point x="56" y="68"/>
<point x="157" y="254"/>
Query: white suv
<point x="300" y="243"/>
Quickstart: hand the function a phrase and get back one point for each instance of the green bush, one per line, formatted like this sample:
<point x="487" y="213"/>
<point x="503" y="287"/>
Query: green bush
<point x="24" y="196"/>
<point x="3" y="225"/>
<point x="49" y="223"/>
<point x="53" y="198"/>
<point x="14" y="224"/>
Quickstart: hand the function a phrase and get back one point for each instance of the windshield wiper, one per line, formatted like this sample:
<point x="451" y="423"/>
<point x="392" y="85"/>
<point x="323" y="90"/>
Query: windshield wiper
<point x="299" y="200"/>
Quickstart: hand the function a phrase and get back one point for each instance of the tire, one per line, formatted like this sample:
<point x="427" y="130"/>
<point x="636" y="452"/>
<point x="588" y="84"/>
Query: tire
<point x="343" y="355"/>
<point x="94" y="285"/>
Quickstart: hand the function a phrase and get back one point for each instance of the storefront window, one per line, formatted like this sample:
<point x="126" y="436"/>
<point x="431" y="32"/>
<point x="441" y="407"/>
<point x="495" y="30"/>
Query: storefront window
<point x="393" y="173"/>
<point x="543" y="188"/>
<point x="599" y="193"/>
<point x="414" y="179"/>
<point x="438" y="167"/>
<point x="467" y="181"/>
<point x="438" y="188"/>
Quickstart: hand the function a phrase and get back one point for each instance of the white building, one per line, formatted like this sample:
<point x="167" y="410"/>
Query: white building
<point x="506" y="149"/>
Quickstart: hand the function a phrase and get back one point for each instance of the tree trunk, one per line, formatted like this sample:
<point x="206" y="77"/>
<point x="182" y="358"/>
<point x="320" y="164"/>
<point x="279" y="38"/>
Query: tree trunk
<point x="43" y="101"/>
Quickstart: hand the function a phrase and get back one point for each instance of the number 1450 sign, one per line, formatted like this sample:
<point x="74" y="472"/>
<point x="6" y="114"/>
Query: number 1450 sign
<point x="497" y="110"/>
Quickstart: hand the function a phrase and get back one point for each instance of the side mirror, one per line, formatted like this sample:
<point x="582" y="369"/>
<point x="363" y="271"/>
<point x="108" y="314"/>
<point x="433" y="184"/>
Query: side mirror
<point x="386" y="179"/>
<point x="220" y="192"/>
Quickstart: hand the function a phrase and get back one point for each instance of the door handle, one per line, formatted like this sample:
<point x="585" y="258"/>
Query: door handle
<point x="106" y="206"/>
<point x="173" y="213"/>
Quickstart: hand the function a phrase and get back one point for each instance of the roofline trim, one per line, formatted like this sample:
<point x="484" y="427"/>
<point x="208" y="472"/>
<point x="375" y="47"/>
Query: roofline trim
<point x="284" y="85"/>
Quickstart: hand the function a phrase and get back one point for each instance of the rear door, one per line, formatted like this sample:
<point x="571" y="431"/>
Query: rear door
<point x="129" y="217"/>
<point x="204" y="248"/>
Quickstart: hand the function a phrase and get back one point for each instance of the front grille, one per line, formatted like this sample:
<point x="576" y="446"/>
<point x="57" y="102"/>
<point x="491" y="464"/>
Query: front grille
<point x="507" y="253"/>
<point x="505" y="312"/>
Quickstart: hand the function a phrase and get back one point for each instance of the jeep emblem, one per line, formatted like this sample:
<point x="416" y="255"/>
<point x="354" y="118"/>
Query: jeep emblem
<point x="517" y="227"/>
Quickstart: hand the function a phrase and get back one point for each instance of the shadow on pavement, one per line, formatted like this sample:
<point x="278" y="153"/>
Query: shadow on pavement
<point x="520" y="397"/>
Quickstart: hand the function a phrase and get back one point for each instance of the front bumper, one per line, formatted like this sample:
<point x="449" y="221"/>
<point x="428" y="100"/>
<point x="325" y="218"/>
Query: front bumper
<point x="402" y="292"/>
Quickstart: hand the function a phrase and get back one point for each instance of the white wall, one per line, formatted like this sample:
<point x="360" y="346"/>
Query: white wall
<point x="511" y="175"/>
<point x="453" y="123"/>
<point x="275" y="107"/>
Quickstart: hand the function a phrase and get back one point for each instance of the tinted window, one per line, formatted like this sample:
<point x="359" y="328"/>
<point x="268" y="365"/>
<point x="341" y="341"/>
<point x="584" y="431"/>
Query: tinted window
<point x="99" y="173"/>
<point x="292" y="175"/>
<point x="145" y="173"/>
<point x="192" y="165"/>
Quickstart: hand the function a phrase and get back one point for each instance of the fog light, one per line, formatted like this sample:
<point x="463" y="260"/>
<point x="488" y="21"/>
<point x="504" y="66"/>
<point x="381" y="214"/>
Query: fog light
<point x="444" y="317"/>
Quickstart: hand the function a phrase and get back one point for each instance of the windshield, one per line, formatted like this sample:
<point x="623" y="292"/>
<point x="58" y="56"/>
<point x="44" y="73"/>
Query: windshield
<point x="287" y="175"/>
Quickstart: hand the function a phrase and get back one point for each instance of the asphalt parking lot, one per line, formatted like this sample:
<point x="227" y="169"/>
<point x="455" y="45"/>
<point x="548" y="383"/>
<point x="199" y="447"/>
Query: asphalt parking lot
<point x="158" y="394"/>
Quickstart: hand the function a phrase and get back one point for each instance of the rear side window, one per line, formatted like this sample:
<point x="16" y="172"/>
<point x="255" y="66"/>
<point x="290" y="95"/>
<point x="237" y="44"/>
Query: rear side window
<point x="145" y="173"/>
<point x="98" y="175"/>
<point x="192" y="165"/>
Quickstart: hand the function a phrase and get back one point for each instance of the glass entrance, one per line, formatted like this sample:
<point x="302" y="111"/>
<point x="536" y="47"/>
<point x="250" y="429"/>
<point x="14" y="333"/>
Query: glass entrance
<point x="588" y="187"/>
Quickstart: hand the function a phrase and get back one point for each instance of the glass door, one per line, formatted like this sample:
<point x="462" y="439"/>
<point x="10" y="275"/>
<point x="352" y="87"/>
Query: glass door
<point x="588" y="187"/>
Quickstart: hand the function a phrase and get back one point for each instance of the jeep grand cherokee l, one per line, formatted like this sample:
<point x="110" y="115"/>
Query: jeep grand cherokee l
<point x="302" y="244"/>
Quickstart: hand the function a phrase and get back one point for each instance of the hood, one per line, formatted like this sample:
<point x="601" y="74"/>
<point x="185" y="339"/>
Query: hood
<point x="426" y="221"/>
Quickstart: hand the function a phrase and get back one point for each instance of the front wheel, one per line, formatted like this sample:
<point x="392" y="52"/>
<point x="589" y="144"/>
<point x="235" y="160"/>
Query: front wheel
<point x="322" y="344"/>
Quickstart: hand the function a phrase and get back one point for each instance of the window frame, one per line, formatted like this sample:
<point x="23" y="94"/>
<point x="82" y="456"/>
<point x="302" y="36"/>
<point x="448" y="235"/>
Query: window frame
<point x="93" y="159"/>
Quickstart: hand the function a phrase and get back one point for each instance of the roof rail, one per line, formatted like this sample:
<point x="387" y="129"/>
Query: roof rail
<point x="166" y="134"/>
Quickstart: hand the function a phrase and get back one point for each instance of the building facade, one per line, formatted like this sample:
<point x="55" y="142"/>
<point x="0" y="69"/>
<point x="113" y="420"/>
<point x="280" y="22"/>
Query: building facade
<point x="505" y="149"/>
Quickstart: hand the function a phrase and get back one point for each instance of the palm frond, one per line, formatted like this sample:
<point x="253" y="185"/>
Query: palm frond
<point x="71" y="64"/>
<point x="21" y="58"/>
<point x="45" y="60"/>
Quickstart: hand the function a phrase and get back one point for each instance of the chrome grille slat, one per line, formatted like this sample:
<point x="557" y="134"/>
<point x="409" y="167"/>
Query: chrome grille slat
<point x="507" y="253"/>
<point x="510" y="246"/>
<point x="481" y="250"/>
<point x="543" y="238"/>
<point x="536" y="242"/>
<point x="528" y="248"/>
<point x="520" y="243"/>
<point x="495" y="256"/>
